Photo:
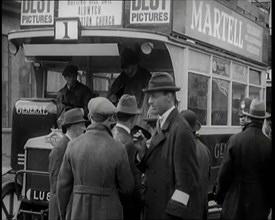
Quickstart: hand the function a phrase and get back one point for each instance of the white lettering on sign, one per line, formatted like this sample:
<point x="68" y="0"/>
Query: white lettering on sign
<point x="92" y="13"/>
<point x="219" y="149"/>
<point x="150" y="11"/>
<point x="31" y="110"/>
<point x="37" y="12"/>
<point x="216" y="23"/>
<point x="41" y="195"/>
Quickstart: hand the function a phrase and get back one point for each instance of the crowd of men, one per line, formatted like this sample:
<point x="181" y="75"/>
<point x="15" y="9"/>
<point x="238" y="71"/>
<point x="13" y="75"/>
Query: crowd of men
<point x="114" y="169"/>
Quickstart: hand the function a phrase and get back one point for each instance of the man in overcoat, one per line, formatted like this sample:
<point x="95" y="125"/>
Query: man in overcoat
<point x="73" y="126"/>
<point x="95" y="169"/>
<point x="245" y="178"/>
<point x="73" y="95"/>
<point x="170" y="163"/>
<point x="204" y="159"/>
<point x="127" y="112"/>
<point x="131" y="80"/>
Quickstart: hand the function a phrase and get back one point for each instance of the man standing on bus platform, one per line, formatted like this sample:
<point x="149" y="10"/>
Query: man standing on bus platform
<point x="245" y="177"/>
<point x="170" y="163"/>
<point x="73" y="95"/>
<point x="73" y="126"/>
<point x="131" y="81"/>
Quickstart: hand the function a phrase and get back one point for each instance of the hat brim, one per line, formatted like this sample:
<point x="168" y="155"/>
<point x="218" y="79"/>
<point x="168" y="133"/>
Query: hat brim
<point x="164" y="88"/>
<point x="150" y="119"/>
<point x="197" y="126"/>
<point x="267" y="115"/>
<point x="129" y="113"/>
<point x="75" y="122"/>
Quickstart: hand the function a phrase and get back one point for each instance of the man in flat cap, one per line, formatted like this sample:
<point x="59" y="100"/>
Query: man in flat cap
<point x="245" y="177"/>
<point x="131" y="81"/>
<point x="73" y="126"/>
<point x="127" y="113"/>
<point x="73" y="95"/>
<point x="170" y="163"/>
<point x="95" y="169"/>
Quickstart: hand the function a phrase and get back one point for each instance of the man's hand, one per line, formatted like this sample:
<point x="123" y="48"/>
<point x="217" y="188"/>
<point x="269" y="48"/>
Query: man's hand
<point x="140" y="143"/>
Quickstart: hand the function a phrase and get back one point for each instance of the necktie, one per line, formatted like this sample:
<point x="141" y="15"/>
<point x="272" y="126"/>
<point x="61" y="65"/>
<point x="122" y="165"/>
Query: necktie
<point x="158" y="127"/>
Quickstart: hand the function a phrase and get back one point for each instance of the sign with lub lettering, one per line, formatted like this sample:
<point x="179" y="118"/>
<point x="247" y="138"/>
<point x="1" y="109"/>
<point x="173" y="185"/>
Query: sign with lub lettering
<point x="150" y="12"/>
<point x="213" y="23"/>
<point x="92" y="13"/>
<point x="37" y="12"/>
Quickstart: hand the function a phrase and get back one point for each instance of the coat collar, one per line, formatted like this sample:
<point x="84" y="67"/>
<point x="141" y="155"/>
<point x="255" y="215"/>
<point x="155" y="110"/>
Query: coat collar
<point x="158" y="137"/>
<point x="253" y="124"/>
<point x="100" y="127"/>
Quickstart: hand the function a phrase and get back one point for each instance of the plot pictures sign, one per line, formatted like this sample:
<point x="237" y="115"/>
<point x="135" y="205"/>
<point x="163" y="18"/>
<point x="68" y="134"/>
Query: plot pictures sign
<point x="37" y="13"/>
<point x="150" y="11"/>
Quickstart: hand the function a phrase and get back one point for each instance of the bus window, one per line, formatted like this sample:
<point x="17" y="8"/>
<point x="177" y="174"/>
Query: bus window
<point x="220" y="89"/>
<point x="197" y="95"/>
<point x="254" y="77"/>
<point x="254" y="92"/>
<point x="220" y="66"/>
<point x="238" y="94"/>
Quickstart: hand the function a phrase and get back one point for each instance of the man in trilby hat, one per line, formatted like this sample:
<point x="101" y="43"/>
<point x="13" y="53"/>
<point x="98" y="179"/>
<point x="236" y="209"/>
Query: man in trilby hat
<point x="95" y="169"/>
<point x="73" y="126"/>
<point x="127" y="112"/>
<point x="245" y="177"/>
<point x="204" y="159"/>
<point x="170" y="163"/>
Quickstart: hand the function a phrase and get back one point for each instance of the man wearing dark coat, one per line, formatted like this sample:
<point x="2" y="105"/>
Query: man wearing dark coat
<point x="131" y="81"/>
<point x="204" y="159"/>
<point x="170" y="163"/>
<point x="73" y="95"/>
<point x="126" y="118"/>
<point x="95" y="169"/>
<point x="73" y="125"/>
<point x="245" y="178"/>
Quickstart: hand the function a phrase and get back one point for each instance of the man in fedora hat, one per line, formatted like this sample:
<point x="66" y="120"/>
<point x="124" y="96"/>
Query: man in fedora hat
<point x="245" y="177"/>
<point x="204" y="159"/>
<point x="170" y="163"/>
<point x="73" y="95"/>
<point x="73" y="125"/>
<point x="95" y="169"/>
<point x="127" y="113"/>
<point x="132" y="80"/>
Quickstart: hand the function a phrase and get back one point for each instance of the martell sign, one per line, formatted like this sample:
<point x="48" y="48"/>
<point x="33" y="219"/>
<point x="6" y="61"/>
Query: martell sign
<point x="211" y="22"/>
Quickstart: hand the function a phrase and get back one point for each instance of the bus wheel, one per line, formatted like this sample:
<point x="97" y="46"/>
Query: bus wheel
<point x="10" y="202"/>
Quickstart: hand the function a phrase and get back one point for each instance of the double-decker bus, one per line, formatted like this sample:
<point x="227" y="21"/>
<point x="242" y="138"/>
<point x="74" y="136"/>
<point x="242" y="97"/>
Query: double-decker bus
<point x="215" y="54"/>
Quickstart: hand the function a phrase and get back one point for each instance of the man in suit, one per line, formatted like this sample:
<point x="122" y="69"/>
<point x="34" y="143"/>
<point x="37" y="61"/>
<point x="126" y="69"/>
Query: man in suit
<point x="170" y="163"/>
<point x="127" y="112"/>
<point x="95" y="169"/>
<point x="204" y="159"/>
<point x="73" y="126"/>
<point x="245" y="177"/>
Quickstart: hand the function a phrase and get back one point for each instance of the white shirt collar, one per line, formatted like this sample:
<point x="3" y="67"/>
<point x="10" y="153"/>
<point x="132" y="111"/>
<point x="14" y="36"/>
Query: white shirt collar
<point x="68" y="136"/>
<point x="165" y="116"/>
<point x="124" y="127"/>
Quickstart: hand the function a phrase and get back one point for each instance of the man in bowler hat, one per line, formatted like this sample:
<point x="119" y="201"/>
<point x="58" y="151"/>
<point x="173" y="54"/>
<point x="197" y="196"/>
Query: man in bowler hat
<point x="170" y="163"/>
<point x="127" y="113"/>
<point x="95" y="169"/>
<point x="73" y="125"/>
<point x="204" y="160"/>
<point x="132" y="80"/>
<point x="245" y="177"/>
<point x="73" y="95"/>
